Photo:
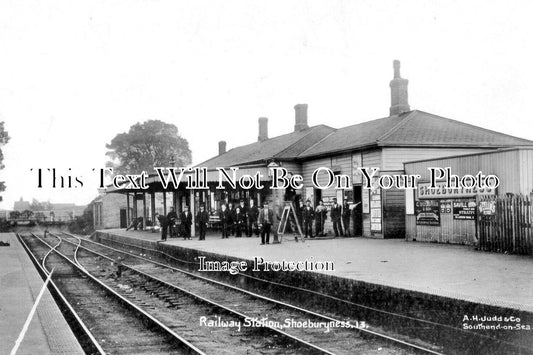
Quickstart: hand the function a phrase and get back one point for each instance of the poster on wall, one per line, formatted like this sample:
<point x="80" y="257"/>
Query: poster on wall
<point x="310" y="194"/>
<point x="427" y="213"/>
<point x="328" y="201"/>
<point x="487" y="208"/>
<point x="357" y="162"/>
<point x="464" y="209"/>
<point x="446" y="206"/>
<point x="340" y="197"/>
<point x="365" y="199"/>
<point x="375" y="210"/>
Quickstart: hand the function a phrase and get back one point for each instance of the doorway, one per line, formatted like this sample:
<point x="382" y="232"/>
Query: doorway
<point x="357" y="213"/>
<point x="123" y="218"/>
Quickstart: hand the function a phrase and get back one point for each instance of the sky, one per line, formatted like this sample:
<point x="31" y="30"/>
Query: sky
<point x="73" y="74"/>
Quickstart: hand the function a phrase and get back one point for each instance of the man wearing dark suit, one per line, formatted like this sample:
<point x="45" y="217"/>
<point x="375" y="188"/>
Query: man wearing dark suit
<point x="265" y="220"/>
<point x="253" y="214"/>
<point x="308" y="215"/>
<point x="172" y="217"/>
<point x="186" y="222"/>
<point x="163" y="223"/>
<point x="224" y="218"/>
<point x="336" y="213"/>
<point x="231" y="220"/>
<point x="346" y="214"/>
<point x="321" y="213"/>
<point x="240" y="222"/>
<point x="202" y="218"/>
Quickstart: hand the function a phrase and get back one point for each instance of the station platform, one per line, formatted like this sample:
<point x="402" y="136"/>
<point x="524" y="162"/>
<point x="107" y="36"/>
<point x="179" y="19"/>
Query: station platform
<point x="20" y="284"/>
<point x="451" y="271"/>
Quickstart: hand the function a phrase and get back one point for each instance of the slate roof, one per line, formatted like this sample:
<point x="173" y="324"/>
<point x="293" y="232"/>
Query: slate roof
<point x="284" y="147"/>
<point x="414" y="128"/>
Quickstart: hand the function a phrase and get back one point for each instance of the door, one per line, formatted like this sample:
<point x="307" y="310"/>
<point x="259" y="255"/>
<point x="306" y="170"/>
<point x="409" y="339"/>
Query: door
<point x="357" y="212"/>
<point x="123" y="218"/>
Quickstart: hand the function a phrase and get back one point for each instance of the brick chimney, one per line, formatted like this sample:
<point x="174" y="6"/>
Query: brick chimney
<point x="398" y="90"/>
<point x="300" y="122"/>
<point x="221" y="147"/>
<point x="263" y="129"/>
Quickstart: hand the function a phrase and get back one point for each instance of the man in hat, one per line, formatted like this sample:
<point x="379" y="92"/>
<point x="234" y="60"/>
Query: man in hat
<point x="266" y="219"/>
<point x="186" y="222"/>
<point x="308" y="215"/>
<point x="346" y="214"/>
<point x="336" y="213"/>
<point x="163" y="224"/>
<point x="321" y="213"/>
<point x="172" y="217"/>
<point x="202" y="217"/>
<point x="224" y="218"/>
<point x="252" y="214"/>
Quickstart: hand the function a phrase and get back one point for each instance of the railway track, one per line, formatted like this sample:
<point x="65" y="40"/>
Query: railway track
<point x="107" y="322"/>
<point x="251" y="307"/>
<point x="439" y="338"/>
<point x="183" y="311"/>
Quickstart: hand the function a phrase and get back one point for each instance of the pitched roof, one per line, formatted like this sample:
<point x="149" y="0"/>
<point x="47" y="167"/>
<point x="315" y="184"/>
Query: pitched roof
<point x="284" y="147"/>
<point x="414" y="128"/>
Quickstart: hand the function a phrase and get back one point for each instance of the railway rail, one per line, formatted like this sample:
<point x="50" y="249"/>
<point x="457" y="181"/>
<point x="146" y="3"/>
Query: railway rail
<point x="106" y="321"/>
<point x="181" y="310"/>
<point x="438" y="337"/>
<point x="345" y="339"/>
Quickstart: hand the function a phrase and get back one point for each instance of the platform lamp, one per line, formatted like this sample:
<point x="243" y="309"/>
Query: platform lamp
<point x="272" y="164"/>
<point x="174" y="200"/>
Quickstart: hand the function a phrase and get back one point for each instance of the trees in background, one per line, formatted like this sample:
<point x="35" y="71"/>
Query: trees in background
<point x="147" y="145"/>
<point x="4" y="138"/>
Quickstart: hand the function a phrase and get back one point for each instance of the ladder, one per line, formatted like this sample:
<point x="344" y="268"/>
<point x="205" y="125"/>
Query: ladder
<point x="288" y="212"/>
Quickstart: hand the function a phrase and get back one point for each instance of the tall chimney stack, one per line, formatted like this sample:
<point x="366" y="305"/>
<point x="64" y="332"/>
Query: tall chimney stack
<point x="221" y="147"/>
<point x="398" y="90"/>
<point x="263" y="129"/>
<point x="301" y="117"/>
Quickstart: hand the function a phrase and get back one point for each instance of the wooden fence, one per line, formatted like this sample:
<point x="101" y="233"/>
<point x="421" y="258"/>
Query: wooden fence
<point x="505" y="225"/>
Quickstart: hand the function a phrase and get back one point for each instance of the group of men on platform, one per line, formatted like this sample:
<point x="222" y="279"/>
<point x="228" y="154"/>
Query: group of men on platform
<point x="249" y="220"/>
<point x="319" y="215"/>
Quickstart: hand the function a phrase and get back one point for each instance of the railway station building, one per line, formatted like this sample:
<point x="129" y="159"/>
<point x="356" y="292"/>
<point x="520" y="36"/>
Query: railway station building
<point x="386" y="143"/>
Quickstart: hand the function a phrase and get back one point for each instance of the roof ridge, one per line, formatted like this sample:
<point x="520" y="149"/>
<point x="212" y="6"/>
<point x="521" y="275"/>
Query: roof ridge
<point x="323" y="138"/>
<point x="336" y="129"/>
<point x="404" y="120"/>
<point x="303" y="137"/>
<point x="474" y="126"/>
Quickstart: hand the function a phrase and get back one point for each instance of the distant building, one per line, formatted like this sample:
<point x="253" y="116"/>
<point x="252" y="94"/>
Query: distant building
<point x="21" y="205"/>
<point x="50" y="211"/>
<point x="110" y="211"/>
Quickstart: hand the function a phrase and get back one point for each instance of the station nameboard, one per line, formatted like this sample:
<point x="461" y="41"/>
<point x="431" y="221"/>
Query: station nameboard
<point x="441" y="192"/>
